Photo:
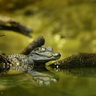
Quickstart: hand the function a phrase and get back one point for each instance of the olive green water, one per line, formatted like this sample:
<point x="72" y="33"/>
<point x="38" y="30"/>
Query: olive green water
<point x="69" y="26"/>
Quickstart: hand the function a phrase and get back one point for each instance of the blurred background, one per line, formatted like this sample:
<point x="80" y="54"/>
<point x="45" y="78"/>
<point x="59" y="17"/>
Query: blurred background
<point x="69" y="26"/>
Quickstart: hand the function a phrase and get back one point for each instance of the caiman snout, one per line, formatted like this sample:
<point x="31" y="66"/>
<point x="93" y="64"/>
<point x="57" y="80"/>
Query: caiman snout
<point x="57" y="55"/>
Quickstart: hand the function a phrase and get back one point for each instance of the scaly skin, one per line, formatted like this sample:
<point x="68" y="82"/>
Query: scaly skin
<point x="20" y="61"/>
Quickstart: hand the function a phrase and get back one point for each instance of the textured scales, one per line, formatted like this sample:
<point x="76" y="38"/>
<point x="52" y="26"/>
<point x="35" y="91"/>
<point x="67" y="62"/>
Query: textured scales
<point x="20" y="61"/>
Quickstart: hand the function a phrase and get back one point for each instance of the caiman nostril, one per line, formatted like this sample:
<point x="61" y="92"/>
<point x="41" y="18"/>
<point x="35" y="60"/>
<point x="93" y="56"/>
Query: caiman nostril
<point x="57" y="54"/>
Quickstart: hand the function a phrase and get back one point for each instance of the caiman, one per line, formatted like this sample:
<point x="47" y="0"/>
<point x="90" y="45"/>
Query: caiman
<point x="38" y="57"/>
<point x="32" y="63"/>
<point x="31" y="60"/>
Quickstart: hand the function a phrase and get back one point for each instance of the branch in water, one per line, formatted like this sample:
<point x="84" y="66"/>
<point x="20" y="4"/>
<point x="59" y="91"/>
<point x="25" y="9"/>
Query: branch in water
<point x="38" y="42"/>
<point x="79" y="60"/>
<point x="10" y="24"/>
<point x="2" y="35"/>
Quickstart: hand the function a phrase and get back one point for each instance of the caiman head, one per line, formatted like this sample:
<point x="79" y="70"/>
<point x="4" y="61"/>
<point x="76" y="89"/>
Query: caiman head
<point x="43" y="55"/>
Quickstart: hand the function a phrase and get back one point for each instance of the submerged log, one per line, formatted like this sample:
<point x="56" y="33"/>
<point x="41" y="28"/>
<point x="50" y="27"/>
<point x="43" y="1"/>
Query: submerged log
<point x="10" y="24"/>
<point x="38" y="42"/>
<point x="79" y="60"/>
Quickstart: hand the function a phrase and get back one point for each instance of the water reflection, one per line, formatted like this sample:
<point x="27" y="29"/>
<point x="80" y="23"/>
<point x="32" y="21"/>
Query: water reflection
<point x="84" y="72"/>
<point x="25" y="83"/>
<point x="34" y="78"/>
<point x="79" y="72"/>
<point x="42" y="78"/>
<point x="8" y="81"/>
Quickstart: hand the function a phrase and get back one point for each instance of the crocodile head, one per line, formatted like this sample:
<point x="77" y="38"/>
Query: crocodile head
<point x="43" y="55"/>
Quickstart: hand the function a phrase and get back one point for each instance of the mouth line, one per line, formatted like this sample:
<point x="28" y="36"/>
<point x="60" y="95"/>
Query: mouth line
<point x="47" y="55"/>
<point x="48" y="59"/>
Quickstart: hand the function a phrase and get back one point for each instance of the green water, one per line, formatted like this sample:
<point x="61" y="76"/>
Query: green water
<point x="79" y="83"/>
<point x="69" y="26"/>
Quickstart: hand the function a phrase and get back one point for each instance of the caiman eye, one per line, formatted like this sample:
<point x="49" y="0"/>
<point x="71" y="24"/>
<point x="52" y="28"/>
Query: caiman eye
<point x="42" y="49"/>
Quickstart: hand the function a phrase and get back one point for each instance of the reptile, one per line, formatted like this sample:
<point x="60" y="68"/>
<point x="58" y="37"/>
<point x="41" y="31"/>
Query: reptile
<point x="31" y="60"/>
<point x="38" y="57"/>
